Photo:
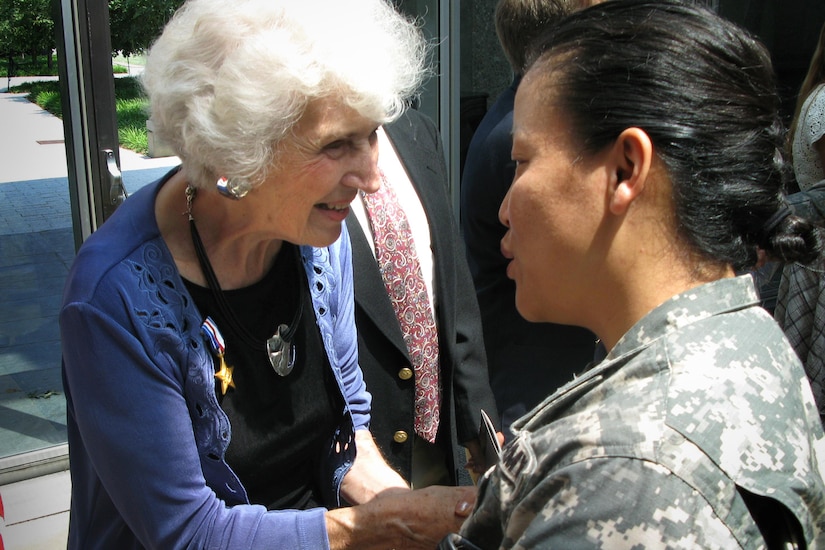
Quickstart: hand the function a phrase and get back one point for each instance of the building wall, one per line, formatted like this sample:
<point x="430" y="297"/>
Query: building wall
<point x="789" y="29"/>
<point x="484" y="69"/>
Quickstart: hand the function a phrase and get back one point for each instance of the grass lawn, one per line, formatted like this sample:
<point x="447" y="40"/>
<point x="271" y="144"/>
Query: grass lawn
<point x="130" y="103"/>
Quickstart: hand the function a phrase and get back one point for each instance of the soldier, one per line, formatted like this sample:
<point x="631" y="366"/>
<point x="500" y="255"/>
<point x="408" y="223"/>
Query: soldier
<point x="649" y="173"/>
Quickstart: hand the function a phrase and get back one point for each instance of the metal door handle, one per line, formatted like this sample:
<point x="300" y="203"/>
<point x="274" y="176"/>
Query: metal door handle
<point x="117" y="193"/>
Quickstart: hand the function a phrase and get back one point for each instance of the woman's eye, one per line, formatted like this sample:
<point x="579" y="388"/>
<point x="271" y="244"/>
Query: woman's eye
<point x="335" y="149"/>
<point x="340" y="147"/>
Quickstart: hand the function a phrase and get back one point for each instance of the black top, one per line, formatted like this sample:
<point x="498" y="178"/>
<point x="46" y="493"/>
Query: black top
<point x="281" y="426"/>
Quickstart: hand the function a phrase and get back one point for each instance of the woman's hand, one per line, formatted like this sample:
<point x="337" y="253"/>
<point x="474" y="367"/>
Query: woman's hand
<point x="389" y="514"/>
<point x="398" y="519"/>
<point x="370" y="474"/>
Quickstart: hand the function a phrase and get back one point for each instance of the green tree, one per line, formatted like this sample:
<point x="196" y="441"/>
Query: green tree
<point x="136" y="23"/>
<point x="26" y="27"/>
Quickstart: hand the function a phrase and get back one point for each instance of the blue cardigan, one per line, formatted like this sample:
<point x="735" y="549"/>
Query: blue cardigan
<point x="146" y="434"/>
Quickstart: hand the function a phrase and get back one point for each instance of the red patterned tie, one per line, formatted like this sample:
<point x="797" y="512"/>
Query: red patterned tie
<point x="398" y="261"/>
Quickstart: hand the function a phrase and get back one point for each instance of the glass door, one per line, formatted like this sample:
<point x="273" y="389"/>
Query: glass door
<point x="60" y="179"/>
<point x="53" y="196"/>
<point x="62" y="174"/>
<point x="37" y="245"/>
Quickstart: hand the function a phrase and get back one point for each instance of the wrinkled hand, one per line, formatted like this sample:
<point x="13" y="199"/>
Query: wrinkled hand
<point x="401" y="519"/>
<point x="420" y="519"/>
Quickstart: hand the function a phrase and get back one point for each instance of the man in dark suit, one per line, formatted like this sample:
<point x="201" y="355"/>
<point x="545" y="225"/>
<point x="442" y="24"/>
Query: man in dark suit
<point x="527" y="361"/>
<point x="412" y="161"/>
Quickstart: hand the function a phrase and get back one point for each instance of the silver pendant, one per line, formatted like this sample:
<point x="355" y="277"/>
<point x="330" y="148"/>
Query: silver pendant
<point x="281" y="352"/>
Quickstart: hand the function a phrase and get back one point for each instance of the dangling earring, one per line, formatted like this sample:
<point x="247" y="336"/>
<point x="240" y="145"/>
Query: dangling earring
<point x="231" y="188"/>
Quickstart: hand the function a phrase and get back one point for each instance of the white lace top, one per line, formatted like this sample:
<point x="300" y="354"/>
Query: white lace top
<point x="810" y="128"/>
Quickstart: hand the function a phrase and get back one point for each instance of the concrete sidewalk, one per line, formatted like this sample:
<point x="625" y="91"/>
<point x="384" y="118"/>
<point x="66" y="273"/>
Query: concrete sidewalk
<point x="32" y="149"/>
<point x="32" y="145"/>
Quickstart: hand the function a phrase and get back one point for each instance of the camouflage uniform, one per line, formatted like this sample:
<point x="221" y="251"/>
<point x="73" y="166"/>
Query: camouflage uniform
<point x="647" y="449"/>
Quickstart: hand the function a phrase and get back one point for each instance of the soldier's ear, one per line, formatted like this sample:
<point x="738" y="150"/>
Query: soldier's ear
<point x="630" y="159"/>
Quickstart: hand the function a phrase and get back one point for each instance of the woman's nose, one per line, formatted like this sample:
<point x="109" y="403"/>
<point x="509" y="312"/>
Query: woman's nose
<point x="372" y="181"/>
<point x="504" y="211"/>
<point x="366" y="175"/>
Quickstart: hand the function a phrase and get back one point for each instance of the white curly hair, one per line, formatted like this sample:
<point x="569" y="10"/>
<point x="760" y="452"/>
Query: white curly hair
<point x="227" y="81"/>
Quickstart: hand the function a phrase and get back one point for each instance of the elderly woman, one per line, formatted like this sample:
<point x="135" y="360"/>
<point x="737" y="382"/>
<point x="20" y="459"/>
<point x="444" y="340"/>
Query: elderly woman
<point x="209" y="349"/>
<point x="649" y="173"/>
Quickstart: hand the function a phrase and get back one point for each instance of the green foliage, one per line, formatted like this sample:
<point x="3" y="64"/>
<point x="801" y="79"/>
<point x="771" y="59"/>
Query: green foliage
<point x="135" y="24"/>
<point x="36" y="88"/>
<point x="132" y="108"/>
<point x="26" y="26"/>
<point x="26" y="65"/>
<point x="131" y="124"/>
<point x="49" y="100"/>
<point x="134" y="139"/>
<point x="128" y="87"/>
<point x="130" y="103"/>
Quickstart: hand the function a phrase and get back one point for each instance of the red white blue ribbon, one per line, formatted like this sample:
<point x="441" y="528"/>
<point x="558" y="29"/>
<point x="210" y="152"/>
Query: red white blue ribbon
<point x="210" y="330"/>
<point x="224" y="372"/>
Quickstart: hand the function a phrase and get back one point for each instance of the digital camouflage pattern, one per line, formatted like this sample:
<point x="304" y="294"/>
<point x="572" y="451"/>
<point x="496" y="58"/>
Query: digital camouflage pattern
<point x="648" y="448"/>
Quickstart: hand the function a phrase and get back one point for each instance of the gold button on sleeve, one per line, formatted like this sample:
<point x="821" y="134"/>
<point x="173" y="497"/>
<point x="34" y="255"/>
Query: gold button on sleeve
<point x="400" y="436"/>
<point x="405" y="373"/>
